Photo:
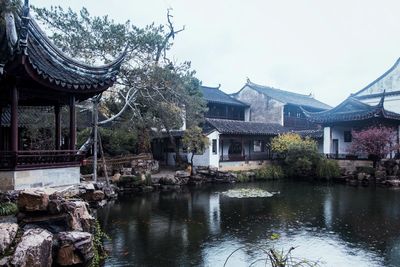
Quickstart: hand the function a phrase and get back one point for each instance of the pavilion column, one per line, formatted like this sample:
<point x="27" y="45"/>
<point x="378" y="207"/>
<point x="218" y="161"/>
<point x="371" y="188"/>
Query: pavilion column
<point x="72" y="123"/>
<point x="327" y="140"/>
<point x="57" y="115"/>
<point x="14" y="119"/>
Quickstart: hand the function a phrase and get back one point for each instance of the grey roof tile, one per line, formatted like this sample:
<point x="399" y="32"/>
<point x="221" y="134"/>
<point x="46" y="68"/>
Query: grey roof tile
<point x="288" y="97"/>
<point x="215" y="95"/>
<point x="244" y="127"/>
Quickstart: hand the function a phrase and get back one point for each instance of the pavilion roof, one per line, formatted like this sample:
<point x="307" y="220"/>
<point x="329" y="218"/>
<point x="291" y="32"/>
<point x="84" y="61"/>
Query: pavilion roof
<point x="352" y="109"/>
<point x="23" y="42"/>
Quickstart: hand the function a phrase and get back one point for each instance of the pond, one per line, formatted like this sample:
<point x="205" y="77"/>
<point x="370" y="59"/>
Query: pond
<point x="336" y="225"/>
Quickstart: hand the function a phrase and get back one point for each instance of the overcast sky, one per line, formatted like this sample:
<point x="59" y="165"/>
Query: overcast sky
<point x="328" y="48"/>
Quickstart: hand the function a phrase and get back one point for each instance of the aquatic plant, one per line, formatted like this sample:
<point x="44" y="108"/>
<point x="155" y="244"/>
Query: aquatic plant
<point x="275" y="258"/>
<point x="327" y="169"/>
<point x="273" y="172"/>
<point x="8" y="208"/>
<point x="99" y="254"/>
<point x="242" y="178"/>
<point x="248" y="193"/>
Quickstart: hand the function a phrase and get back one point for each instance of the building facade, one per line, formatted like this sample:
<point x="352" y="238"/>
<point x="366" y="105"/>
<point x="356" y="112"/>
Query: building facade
<point x="271" y="105"/>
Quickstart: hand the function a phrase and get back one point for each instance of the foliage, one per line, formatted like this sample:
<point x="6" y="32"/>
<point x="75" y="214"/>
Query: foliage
<point x="275" y="258"/>
<point x="327" y="169"/>
<point x="301" y="154"/>
<point x="99" y="253"/>
<point x="282" y="143"/>
<point x="194" y="141"/>
<point x="116" y="141"/>
<point x="242" y="178"/>
<point x="8" y="208"/>
<point x="159" y="89"/>
<point x="272" y="172"/>
<point x="376" y="141"/>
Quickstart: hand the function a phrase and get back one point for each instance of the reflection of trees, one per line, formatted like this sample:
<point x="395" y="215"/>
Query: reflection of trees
<point x="171" y="228"/>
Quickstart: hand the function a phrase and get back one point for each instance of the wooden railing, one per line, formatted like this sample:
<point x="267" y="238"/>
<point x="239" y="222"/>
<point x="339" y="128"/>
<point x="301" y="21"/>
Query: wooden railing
<point x="240" y="157"/>
<point x="346" y="156"/>
<point x="38" y="159"/>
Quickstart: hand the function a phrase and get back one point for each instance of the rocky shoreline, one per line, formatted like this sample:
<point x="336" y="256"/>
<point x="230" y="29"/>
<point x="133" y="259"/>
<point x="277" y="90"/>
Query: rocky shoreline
<point x="52" y="227"/>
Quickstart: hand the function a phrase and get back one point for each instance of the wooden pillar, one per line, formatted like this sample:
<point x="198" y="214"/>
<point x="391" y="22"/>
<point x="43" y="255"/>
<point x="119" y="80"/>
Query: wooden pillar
<point x="249" y="149"/>
<point x="72" y="123"/>
<point x="14" y="119"/>
<point x="222" y="149"/>
<point x="57" y="115"/>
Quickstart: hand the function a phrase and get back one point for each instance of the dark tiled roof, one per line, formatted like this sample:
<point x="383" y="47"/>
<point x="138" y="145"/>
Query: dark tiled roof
<point x="49" y="64"/>
<point x="244" y="127"/>
<point x="310" y="133"/>
<point x="214" y="95"/>
<point x="352" y="109"/>
<point x="288" y="97"/>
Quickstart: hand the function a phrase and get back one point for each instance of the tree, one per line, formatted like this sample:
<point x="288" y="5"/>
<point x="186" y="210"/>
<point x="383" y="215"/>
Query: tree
<point x="151" y="90"/>
<point x="375" y="141"/>
<point x="195" y="142"/>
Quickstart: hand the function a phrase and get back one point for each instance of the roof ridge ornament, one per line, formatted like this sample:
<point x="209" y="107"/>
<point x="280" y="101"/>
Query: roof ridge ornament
<point x="23" y="36"/>
<point x="382" y="101"/>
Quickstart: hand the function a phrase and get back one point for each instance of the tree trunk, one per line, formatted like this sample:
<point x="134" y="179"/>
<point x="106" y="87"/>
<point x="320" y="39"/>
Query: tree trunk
<point x="191" y="163"/>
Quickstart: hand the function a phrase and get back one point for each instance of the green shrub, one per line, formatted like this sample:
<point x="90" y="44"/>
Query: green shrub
<point x="273" y="172"/>
<point x="242" y="178"/>
<point x="327" y="169"/>
<point x="301" y="154"/>
<point x="8" y="208"/>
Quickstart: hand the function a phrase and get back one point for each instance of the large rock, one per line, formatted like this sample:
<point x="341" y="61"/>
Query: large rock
<point x="33" y="200"/>
<point x="34" y="250"/>
<point x="381" y="175"/>
<point x="7" y="235"/>
<point x="75" y="248"/>
<point x="169" y="180"/>
<point x="182" y="174"/>
<point x="79" y="218"/>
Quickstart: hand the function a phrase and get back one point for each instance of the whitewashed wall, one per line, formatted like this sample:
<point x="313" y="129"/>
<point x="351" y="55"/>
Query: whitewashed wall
<point x="338" y="133"/>
<point x="208" y="158"/>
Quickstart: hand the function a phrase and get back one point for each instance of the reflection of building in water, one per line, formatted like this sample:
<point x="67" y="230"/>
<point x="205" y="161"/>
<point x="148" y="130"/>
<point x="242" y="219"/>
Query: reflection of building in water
<point x="215" y="214"/>
<point x="328" y="210"/>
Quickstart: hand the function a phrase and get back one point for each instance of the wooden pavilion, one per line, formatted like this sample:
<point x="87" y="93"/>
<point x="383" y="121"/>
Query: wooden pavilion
<point x="34" y="72"/>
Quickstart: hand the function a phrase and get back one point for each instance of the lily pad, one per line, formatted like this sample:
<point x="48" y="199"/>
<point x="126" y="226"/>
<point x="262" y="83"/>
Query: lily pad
<point x="248" y="193"/>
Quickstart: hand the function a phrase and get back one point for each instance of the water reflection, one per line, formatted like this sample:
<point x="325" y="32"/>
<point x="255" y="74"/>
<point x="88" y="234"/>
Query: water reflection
<point x="338" y="225"/>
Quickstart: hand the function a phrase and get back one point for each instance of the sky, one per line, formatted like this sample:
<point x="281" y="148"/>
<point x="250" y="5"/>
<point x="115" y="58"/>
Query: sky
<point x="328" y="48"/>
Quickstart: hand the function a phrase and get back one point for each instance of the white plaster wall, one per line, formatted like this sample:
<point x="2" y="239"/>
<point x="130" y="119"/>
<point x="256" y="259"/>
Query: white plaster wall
<point x="338" y="133"/>
<point x="208" y="158"/>
<point x="327" y="140"/>
<point x="41" y="178"/>
<point x="390" y="83"/>
<point x="391" y="103"/>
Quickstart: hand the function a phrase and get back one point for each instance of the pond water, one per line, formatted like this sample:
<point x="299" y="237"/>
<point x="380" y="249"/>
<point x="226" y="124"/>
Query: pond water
<point x="336" y="225"/>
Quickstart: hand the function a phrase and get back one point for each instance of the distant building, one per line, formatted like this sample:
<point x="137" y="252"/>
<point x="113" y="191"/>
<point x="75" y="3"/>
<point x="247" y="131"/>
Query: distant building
<point x="377" y="103"/>
<point x="389" y="82"/>
<point x="235" y="142"/>
<point x="271" y="105"/>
